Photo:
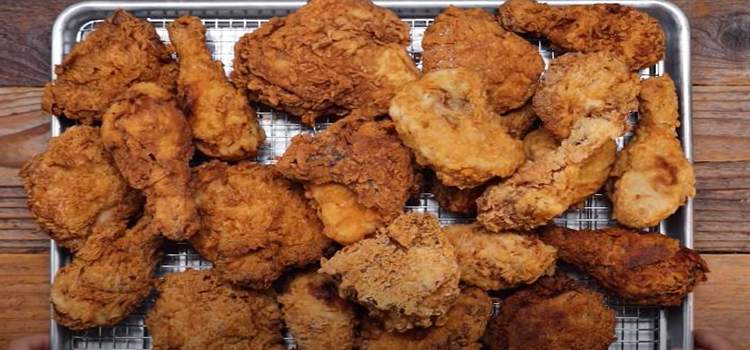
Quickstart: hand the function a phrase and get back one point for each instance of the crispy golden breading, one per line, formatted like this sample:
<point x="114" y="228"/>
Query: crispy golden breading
<point x="328" y="57"/>
<point x="316" y="316"/>
<point x="407" y="275"/>
<point x="445" y="119"/>
<point x="518" y="122"/>
<point x="121" y="52"/>
<point x="196" y="310"/>
<point x="75" y="189"/>
<point x="345" y="220"/>
<point x="651" y="177"/>
<point x="473" y="39"/>
<point x="367" y="158"/>
<point x="223" y="123"/>
<point x="494" y="261"/>
<point x="631" y="35"/>
<point x="109" y="277"/>
<point x="579" y="86"/>
<point x="644" y="268"/>
<point x="466" y="321"/>
<point x="555" y="313"/>
<point x="150" y="141"/>
<point x="255" y="223"/>
<point x="455" y="199"/>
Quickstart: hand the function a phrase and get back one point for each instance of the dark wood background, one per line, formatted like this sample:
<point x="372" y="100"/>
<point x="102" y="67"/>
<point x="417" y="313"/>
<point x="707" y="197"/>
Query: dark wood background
<point x="720" y="32"/>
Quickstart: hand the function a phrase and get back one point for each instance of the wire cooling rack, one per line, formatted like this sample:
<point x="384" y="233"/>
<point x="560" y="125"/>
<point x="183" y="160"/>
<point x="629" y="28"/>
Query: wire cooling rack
<point x="638" y="327"/>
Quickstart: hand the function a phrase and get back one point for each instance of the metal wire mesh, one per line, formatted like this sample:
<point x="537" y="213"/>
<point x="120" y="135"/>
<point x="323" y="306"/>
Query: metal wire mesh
<point x="637" y="328"/>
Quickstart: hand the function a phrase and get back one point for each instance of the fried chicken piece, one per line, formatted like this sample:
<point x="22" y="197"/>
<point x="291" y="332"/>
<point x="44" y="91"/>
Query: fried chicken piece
<point x="494" y="261"/>
<point x="109" y="277"/>
<point x="651" y="177"/>
<point x="75" y="189"/>
<point x="578" y="86"/>
<point x="357" y="165"/>
<point x="445" y="119"/>
<point x="519" y="121"/>
<point x="555" y="313"/>
<point x="197" y="310"/>
<point x="473" y="39"/>
<point x="223" y="123"/>
<point x="455" y="199"/>
<point x="644" y="268"/>
<point x="255" y="223"/>
<point x="315" y="315"/>
<point x="631" y="35"/>
<point x="466" y="321"/>
<point x="329" y="57"/>
<point x="150" y="141"/>
<point x="119" y="53"/>
<point x="407" y="275"/>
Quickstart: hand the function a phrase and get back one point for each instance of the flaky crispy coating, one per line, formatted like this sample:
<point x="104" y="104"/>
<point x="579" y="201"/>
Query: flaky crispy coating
<point x="223" y="123"/>
<point x="255" y="223"/>
<point x="644" y="268"/>
<point x="473" y="39"/>
<point x="455" y="199"/>
<point x="466" y="322"/>
<point x="407" y="275"/>
<point x="445" y="119"/>
<point x="578" y="86"/>
<point x="150" y="141"/>
<point x="121" y="52"/>
<point x="328" y="57"/>
<point x="196" y="310"/>
<point x="108" y="278"/>
<point x="555" y="313"/>
<point x="75" y="189"/>
<point x="651" y="178"/>
<point x="504" y="260"/>
<point x="345" y="220"/>
<point x="631" y="35"/>
<point x="316" y="316"/>
<point x="518" y="122"/>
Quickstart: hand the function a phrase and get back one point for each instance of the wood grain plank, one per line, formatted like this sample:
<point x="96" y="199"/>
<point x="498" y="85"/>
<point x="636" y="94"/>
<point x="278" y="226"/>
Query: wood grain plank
<point x="24" y="296"/>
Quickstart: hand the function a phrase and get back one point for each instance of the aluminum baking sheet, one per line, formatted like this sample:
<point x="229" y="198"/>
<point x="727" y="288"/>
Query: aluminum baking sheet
<point x="638" y="327"/>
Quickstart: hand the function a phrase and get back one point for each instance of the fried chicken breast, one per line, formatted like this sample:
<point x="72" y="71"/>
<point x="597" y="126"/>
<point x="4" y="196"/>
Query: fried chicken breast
<point x="445" y="119"/>
<point x="406" y="275"/>
<point x="643" y="268"/>
<point x="329" y="57"/>
<point x="255" y="223"/>
<point x="223" y="123"/>
<point x="473" y="39"/>
<point x="631" y="35"/>
<point x="555" y="313"/>
<point x="119" y="53"/>
<point x="75" y="189"/>
<point x="494" y="261"/>
<point x="466" y="322"/>
<point x="196" y="310"/>
<point x="651" y="177"/>
<point x="316" y="316"/>
<point x="108" y="278"/>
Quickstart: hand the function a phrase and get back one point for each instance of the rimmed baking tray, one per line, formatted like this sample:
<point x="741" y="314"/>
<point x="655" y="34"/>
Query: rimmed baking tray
<point x="638" y="327"/>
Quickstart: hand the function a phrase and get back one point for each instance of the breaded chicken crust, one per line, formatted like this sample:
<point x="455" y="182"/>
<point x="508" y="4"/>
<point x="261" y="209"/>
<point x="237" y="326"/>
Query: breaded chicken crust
<point x="345" y="220"/>
<point x="459" y="201"/>
<point x="518" y="122"/>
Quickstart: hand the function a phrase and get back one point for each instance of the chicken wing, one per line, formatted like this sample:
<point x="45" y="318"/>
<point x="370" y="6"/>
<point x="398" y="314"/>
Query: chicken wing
<point x="329" y="57"/>
<point x="494" y="261"/>
<point x="150" y="141"/>
<point x="223" y="123"/>
<point x="644" y="268"/>
<point x="196" y="310"/>
<point x="119" y="53"/>
<point x="255" y="223"/>
<point x="466" y="321"/>
<point x="445" y="119"/>
<point x="315" y="315"/>
<point x="631" y="35"/>
<point x="109" y="277"/>
<point x="407" y="275"/>
<point x="555" y="313"/>
<point x="651" y="177"/>
<point x="473" y="39"/>
<point x="75" y="189"/>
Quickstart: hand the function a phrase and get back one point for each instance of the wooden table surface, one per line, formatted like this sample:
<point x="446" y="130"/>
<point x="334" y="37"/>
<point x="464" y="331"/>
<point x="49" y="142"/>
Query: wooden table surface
<point x="721" y="138"/>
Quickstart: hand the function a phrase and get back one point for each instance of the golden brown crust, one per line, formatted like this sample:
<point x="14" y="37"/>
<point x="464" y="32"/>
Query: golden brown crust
<point x="455" y="199"/>
<point x="518" y="122"/>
